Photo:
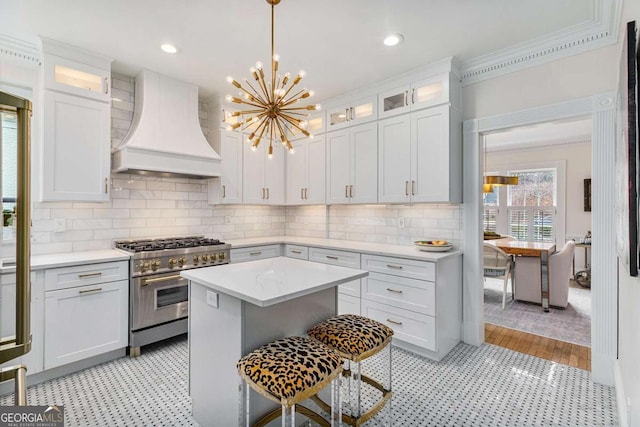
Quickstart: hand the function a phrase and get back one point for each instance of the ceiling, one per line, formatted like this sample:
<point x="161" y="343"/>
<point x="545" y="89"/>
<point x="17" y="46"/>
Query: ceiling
<point x="337" y="42"/>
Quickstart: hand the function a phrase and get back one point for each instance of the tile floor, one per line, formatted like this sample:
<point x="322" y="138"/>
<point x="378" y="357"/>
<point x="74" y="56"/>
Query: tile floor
<point x="472" y="386"/>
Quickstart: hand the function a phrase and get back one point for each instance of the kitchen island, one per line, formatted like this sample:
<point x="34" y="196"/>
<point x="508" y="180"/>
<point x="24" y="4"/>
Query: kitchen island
<point x="235" y="308"/>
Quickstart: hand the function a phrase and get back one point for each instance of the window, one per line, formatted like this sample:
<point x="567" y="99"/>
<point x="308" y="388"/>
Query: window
<point x="531" y="207"/>
<point x="9" y="140"/>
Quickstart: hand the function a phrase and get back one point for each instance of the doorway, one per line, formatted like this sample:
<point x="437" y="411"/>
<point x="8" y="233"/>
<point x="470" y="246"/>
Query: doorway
<point x="601" y="109"/>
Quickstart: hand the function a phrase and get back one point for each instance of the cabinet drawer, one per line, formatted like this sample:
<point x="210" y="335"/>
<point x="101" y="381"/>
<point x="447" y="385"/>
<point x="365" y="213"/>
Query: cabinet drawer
<point x="254" y="252"/>
<point x="414" y="328"/>
<point x="84" y="322"/>
<point x="421" y="270"/>
<point x="333" y="257"/>
<point x="348" y="304"/>
<point x="87" y="274"/>
<point x="409" y="294"/>
<point x="295" y="251"/>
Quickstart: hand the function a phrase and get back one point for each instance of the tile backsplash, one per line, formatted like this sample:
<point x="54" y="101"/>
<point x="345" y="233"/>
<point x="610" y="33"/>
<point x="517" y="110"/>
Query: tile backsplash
<point x="145" y="207"/>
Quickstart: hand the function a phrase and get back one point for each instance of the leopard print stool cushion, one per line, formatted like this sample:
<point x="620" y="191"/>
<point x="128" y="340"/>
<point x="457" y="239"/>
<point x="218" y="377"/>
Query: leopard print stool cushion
<point x="290" y="369"/>
<point x="354" y="337"/>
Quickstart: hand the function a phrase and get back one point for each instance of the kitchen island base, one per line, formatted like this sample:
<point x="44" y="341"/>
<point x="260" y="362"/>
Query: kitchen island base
<point x="220" y="336"/>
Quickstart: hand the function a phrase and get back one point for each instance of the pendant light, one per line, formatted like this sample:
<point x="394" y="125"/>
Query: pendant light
<point x="491" y="181"/>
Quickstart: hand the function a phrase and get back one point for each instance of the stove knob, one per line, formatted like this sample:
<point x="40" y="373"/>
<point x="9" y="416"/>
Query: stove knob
<point x="214" y="257"/>
<point x="205" y="258"/>
<point x="196" y="259"/>
<point x="221" y="256"/>
<point x="144" y="266"/>
<point x="182" y="260"/>
<point x="172" y="262"/>
<point x="154" y="265"/>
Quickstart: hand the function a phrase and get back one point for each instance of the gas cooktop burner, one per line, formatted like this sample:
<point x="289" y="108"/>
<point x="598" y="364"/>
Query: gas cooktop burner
<point x="171" y="243"/>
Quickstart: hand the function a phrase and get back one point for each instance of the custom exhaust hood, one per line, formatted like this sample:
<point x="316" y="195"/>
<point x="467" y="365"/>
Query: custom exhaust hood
<point x="165" y="138"/>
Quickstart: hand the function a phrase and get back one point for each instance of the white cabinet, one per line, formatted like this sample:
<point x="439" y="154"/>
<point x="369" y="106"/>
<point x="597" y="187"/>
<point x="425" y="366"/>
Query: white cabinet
<point x="306" y="172"/>
<point x="317" y="123"/>
<point x="348" y="293"/>
<point x="420" y="300"/>
<point x="263" y="178"/>
<point x="76" y="125"/>
<point x="414" y="96"/>
<point x="352" y="165"/>
<point x="351" y="113"/>
<point x="254" y="252"/>
<point x="228" y="188"/>
<point x="86" y="311"/>
<point x="420" y="157"/>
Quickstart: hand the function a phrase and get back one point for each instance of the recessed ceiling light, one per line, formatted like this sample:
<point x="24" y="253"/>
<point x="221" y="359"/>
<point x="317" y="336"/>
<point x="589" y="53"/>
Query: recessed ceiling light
<point x="393" y="39"/>
<point x="169" y="48"/>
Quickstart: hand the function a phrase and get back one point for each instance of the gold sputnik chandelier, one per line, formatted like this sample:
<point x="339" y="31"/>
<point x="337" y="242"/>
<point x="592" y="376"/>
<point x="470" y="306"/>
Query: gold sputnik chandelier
<point x="273" y="111"/>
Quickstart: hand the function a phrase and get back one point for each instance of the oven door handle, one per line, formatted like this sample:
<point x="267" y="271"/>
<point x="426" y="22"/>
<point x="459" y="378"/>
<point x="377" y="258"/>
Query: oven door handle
<point x="162" y="279"/>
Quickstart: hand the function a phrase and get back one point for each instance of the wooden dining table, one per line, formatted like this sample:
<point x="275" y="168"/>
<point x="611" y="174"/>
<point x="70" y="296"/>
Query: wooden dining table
<point x="540" y="250"/>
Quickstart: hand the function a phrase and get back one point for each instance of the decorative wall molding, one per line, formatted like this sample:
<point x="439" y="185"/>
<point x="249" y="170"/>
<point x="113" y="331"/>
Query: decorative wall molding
<point x="19" y="51"/>
<point x="601" y="31"/>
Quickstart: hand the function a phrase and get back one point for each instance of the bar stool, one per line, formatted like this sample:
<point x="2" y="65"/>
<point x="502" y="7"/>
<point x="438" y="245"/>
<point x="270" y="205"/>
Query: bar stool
<point x="356" y="338"/>
<point x="288" y="371"/>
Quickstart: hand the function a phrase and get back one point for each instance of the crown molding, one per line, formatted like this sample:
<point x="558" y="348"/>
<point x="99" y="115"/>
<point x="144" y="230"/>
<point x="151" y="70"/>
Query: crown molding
<point x="19" y="51"/>
<point x="601" y="31"/>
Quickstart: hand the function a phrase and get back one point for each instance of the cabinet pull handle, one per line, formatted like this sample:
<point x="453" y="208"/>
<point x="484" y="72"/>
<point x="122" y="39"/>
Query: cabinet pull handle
<point x="346" y="114"/>
<point x="267" y="193"/>
<point x="406" y="96"/>
<point x="106" y="85"/>
<point x="413" y="96"/>
<point x="332" y="257"/>
<point x="255" y="253"/>
<point x="84" y="276"/>
<point x="351" y="191"/>
<point x="86" y="291"/>
<point x="224" y="191"/>
<point x="394" y="322"/>
<point x="352" y="114"/>
<point x="263" y="194"/>
<point x="302" y="193"/>
<point x="406" y="188"/>
<point x="106" y="185"/>
<point x="413" y="188"/>
<point x="397" y="267"/>
<point x="346" y="191"/>
<point x="306" y="193"/>
<point x="296" y="252"/>
<point x="397" y="291"/>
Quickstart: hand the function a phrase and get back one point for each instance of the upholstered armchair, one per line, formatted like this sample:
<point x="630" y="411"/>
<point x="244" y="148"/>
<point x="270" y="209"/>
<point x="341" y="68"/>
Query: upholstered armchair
<point x="528" y="282"/>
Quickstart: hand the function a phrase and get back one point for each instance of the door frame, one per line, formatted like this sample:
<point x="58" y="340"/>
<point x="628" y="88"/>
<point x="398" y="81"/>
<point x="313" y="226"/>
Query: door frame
<point x="604" y="329"/>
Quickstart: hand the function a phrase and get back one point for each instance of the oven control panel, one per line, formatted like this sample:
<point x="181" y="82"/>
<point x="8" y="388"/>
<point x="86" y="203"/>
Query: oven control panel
<point x="153" y="263"/>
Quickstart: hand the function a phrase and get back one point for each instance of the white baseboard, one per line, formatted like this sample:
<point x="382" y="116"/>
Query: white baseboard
<point x="621" y="397"/>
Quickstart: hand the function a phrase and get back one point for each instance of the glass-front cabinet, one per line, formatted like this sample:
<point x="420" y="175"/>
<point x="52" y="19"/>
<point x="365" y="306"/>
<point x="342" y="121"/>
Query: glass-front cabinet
<point x="352" y="113"/>
<point x="78" y="79"/>
<point x="414" y="96"/>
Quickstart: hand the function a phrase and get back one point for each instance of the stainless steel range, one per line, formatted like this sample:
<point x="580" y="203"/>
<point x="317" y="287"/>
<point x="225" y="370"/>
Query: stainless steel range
<point x="158" y="296"/>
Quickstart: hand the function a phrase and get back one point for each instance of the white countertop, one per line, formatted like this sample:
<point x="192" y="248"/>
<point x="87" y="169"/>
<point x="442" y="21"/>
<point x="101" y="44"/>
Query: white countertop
<point x="408" y="251"/>
<point x="39" y="262"/>
<point x="271" y="281"/>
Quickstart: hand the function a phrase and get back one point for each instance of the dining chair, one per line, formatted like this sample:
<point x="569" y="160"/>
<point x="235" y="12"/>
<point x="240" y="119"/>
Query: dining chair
<point x="497" y="264"/>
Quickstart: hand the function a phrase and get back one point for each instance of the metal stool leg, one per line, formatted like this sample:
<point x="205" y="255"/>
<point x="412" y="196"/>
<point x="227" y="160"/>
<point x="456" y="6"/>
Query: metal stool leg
<point x="389" y="404"/>
<point x="244" y="412"/>
<point x="358" y="380"/>
<point x="289" y="416"/>
<point x="21" y="386"/>
<point x="336" y="404"/>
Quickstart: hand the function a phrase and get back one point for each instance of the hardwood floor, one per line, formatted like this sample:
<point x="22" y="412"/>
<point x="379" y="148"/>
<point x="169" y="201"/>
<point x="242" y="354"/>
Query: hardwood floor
<point x="546" y="348"/>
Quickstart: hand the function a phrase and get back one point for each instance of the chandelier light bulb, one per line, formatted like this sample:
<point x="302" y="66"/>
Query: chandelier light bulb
<point x="228" y="98"/>
<point x="318" y="107"/>
<point x="302" y="73"/>
<point x="292" y="150"/>
<point x="271" y="102"/>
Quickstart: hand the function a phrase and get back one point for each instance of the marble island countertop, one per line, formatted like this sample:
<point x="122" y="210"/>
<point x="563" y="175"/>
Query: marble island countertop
<point x="404" y="251"/>
<point x="271" y="281"/>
